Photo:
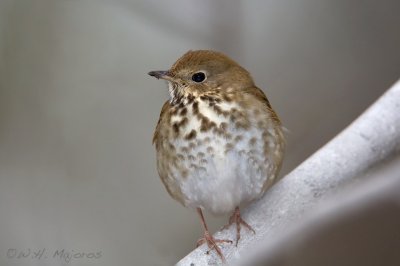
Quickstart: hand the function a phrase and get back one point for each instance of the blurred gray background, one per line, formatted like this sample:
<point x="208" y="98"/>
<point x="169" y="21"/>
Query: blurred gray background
<point x="77" y="108"/>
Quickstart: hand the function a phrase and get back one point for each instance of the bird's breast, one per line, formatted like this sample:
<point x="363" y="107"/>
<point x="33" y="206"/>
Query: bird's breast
<point x="217" y="154"/>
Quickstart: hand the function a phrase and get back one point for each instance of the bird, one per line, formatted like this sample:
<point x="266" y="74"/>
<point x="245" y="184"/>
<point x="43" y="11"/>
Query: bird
<point x="219" y="144"/>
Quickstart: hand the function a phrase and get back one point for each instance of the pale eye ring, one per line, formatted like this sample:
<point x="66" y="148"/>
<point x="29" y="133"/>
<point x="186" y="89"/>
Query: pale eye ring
<point x="199" y="77"/>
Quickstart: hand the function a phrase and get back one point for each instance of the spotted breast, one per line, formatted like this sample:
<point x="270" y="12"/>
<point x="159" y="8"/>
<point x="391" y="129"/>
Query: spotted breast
<point x="216" y="151"/>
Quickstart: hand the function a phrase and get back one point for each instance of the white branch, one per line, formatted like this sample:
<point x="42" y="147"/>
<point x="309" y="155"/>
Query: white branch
<point x="367" y="142"/>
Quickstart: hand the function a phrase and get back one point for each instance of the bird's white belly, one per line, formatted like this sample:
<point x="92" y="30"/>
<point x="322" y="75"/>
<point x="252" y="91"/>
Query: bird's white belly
<point x="219" y="180"/>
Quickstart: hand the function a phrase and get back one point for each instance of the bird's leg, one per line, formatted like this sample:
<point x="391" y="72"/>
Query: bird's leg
<point x="237" y="219"/>
<point x="209" y="239"/>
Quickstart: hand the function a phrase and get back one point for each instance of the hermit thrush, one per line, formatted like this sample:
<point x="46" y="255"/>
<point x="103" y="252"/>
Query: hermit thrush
<point x="219" y="143"/>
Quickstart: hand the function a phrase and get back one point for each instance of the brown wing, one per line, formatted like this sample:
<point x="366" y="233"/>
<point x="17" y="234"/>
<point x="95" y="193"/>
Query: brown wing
<point x="260" y="95"/>
<point x="164" y="111"/>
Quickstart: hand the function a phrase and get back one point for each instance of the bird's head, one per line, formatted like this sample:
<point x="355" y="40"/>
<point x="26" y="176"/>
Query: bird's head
<point x="203" y="72"/>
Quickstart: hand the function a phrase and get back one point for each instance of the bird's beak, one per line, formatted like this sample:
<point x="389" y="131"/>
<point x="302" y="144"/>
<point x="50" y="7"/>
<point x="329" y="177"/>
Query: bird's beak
<point x="161" y="75"/>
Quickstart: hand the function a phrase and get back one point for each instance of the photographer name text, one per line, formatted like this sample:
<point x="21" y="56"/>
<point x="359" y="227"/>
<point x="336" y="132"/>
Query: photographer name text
<point x="56" y="254"/>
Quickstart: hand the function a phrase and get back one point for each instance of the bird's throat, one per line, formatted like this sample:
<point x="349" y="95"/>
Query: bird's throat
<point x="175" y="92"/>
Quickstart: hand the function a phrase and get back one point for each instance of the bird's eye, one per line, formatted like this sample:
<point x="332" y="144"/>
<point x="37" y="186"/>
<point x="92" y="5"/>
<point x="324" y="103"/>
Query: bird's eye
<point x="198" y="77"/>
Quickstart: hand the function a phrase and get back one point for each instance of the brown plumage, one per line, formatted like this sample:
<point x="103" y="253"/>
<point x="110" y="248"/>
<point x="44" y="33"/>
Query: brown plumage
<point x="219" y="143"/>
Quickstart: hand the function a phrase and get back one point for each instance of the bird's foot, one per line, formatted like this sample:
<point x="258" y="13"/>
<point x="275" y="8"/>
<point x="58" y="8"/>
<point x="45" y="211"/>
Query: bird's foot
<point x="212" y="244"/>
<point x="237" y="219"/>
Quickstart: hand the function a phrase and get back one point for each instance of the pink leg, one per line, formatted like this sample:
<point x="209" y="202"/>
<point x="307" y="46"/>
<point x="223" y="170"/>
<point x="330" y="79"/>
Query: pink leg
<point x="237" y="219"/>
<point x="209" y="239"/>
